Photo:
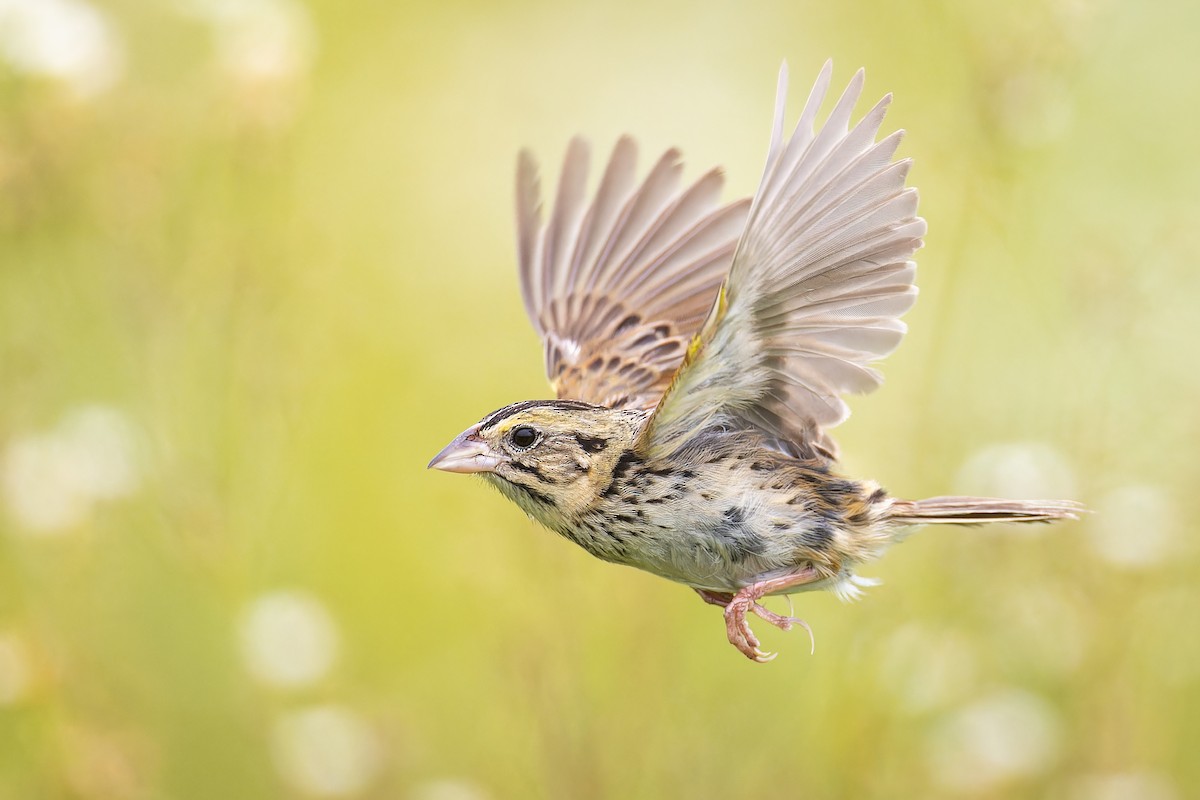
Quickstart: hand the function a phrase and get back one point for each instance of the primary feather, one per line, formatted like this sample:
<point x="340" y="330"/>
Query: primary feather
<point x="818" y="284"/>
<point x="618" y="287"/>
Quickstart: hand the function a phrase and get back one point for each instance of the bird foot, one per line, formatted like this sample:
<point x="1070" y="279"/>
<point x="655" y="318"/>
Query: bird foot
<point x="738" y="630"/>
<point x="724" y="597"/>
<point x="737" y="606"/>
<point x="785" y="623"/>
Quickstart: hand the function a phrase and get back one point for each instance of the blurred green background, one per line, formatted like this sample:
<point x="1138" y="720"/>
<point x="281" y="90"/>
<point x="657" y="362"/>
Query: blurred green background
<point x="257" y="266"/>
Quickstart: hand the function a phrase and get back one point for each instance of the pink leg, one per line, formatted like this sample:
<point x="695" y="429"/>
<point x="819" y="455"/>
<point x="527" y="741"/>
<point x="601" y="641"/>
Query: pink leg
<point x="715" y="598"/>
<point x="736" y="627"/>
<point x="723" y="599"/>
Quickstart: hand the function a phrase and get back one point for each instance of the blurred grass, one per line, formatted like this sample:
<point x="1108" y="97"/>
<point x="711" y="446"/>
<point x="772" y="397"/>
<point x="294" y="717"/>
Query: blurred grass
<point x="297" y="283"/>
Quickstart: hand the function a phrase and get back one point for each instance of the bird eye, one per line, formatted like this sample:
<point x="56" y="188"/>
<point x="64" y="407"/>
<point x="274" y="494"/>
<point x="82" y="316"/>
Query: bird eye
<point x="524" y="437"/>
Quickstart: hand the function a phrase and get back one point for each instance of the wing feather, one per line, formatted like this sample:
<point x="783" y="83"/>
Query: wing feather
<point x="616" y="287"/>
<point x="820" y="279"/>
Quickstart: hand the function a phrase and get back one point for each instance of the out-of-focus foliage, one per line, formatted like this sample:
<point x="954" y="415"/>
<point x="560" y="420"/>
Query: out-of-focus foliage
<point x="256" y="268"/>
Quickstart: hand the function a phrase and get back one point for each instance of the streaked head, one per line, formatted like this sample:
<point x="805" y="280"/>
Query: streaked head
<point x="547" y="455"/>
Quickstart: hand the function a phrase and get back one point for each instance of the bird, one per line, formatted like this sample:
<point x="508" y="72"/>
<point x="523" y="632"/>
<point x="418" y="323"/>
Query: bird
<point x="699" y="353"/>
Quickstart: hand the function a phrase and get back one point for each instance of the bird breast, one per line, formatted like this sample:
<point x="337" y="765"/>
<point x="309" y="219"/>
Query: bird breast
<point x="717" y="526"/>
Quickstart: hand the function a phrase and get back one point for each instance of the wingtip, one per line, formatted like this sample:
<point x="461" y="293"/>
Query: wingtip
<point x="716" y="174"/>
<point x="578" y="147"/>
<point x="526" y="163"/>
<point x="858" y="81"/>
<point x="781" y="87"/>
<point x="671" y="160"/>
<point x="574" y="169"/>
<point x="528" y="185"/>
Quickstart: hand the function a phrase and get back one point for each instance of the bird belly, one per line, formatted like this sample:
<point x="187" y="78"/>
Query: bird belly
<point x="722" y="544"/>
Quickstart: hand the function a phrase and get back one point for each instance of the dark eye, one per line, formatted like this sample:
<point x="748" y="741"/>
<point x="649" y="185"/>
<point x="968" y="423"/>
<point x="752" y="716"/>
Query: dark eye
<point x="524" y="437"/>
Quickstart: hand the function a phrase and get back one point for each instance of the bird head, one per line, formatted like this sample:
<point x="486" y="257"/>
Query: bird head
<point x="550" y="456"/>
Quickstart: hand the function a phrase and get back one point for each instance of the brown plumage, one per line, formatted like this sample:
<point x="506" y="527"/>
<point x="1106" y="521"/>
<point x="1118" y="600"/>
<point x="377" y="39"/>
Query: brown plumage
<point x="699" y="352"/>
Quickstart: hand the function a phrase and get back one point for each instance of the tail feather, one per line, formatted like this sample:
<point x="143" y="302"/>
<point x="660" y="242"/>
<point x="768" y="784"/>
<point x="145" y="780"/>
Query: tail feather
<point x="980" y="510"/>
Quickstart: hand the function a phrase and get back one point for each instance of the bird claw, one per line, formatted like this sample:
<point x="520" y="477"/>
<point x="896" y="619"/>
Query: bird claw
<point x="785" y="623"/>
<point x="737" y="605"/>
<point x="738" y="629"/>
<point x="743" y="638"/>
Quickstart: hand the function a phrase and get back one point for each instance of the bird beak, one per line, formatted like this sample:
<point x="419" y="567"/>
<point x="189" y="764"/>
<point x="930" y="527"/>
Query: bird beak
<point x="467" y="453"/>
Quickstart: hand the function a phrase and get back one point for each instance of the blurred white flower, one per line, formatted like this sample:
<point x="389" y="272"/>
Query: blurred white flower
<point x="1134" y="526"/>
<point x="326" y="750"/>
<point x="102" y="441"/>
<point x="259" y="40"/>
<point x="1007" y="735"/>
<point x="448" y="789"/>
<point x="68" y="40"/>
<point x="52" y="480"/>
<point x="15" y="672"/>
<point x="288" y="639"/>
<point x="39" y="487"/>
<point x="1123" y="786"/>
<point x="1020" y="470"/>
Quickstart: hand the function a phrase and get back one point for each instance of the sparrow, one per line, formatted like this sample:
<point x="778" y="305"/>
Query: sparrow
<point x="699" y="353"/>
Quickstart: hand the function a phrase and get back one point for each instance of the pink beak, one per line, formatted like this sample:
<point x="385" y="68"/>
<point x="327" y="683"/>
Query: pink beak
<point x="467" y="453"/>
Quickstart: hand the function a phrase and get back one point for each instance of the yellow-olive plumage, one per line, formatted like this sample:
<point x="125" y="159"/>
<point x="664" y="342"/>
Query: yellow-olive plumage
<point x="699" y="352"/>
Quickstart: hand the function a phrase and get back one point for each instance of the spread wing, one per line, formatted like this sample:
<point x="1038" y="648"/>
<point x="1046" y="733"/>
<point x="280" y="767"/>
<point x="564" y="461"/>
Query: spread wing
<point x="820" y="280"/>
<point x="618" y="286"/>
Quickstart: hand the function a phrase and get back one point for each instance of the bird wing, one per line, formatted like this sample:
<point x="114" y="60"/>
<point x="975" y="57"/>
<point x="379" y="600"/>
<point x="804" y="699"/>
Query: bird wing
<point x="618" y="286"/>
<point x="819" y="281"/>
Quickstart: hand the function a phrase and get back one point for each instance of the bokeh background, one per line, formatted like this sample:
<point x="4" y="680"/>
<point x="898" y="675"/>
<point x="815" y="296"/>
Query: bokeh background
<point x="256" y="267"/>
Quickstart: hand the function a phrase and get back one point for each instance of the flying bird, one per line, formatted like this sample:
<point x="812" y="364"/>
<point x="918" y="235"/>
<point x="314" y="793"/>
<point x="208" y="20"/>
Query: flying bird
<point x="699" y="353"/>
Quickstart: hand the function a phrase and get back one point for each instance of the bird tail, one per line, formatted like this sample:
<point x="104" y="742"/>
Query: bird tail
<point x="980" y="510"/>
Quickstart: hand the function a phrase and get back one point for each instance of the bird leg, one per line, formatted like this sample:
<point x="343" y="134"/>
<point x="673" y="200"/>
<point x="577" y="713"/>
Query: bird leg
<point x="715" y="598"/>
<point x="736" y="606"/>
<point x="723" y="599"/>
